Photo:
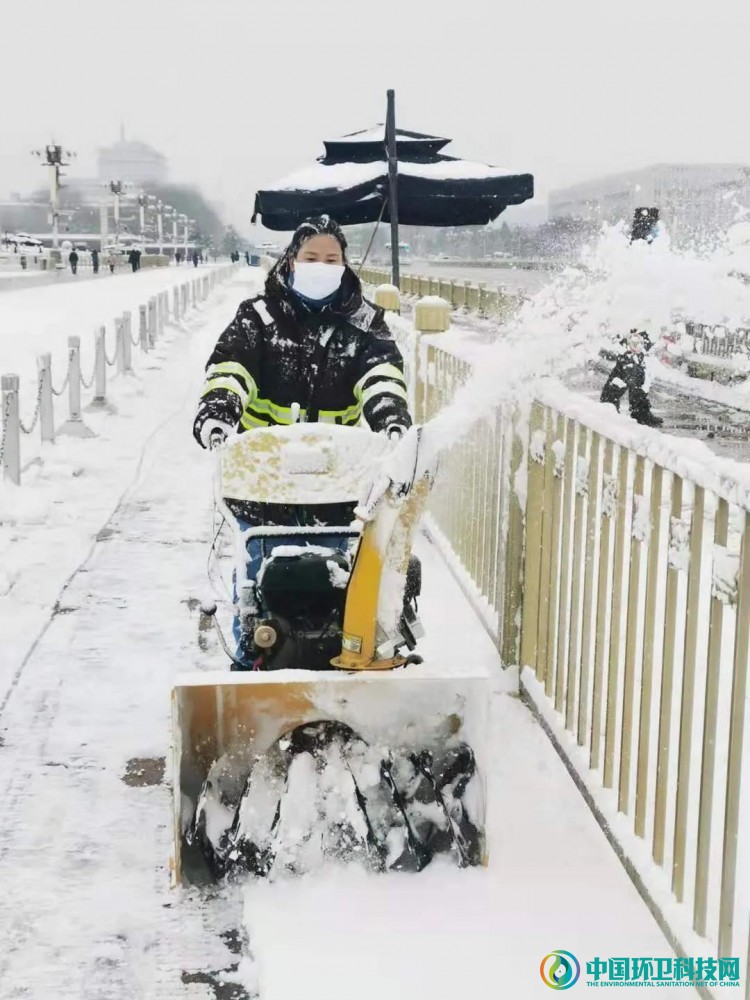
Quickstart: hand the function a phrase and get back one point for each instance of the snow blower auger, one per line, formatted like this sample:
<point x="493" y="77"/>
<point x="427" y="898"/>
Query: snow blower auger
<point x="341" y="743"/>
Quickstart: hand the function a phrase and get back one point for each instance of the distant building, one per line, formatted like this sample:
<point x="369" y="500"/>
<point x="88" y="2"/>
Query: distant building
<point x="696" y="201"/>
<point x="132" y="162"/>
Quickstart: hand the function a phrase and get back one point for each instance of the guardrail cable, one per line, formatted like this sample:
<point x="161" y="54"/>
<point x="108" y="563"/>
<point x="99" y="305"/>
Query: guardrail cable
<point x="37" y="408"/>
<point x="64" y="386"/>
<point x="87" y="385"/>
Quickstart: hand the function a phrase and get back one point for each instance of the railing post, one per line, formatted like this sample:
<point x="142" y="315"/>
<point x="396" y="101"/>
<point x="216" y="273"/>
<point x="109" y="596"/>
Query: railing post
<point x="143" y="329"/>
<point x="119" y="346"/>
<point x="127" y="343"/>
<point x="74" y="425"/>
<point x="152" y="322"/>
<point x="176" y="304"/>
<point x="74" y="378"/>
<point x="10" y="438"/>
<point x="100" y="366"/>
<point x="46" y="403"/>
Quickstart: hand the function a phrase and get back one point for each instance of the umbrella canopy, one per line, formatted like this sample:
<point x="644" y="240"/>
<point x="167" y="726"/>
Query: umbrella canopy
<point x="351" y="183"/>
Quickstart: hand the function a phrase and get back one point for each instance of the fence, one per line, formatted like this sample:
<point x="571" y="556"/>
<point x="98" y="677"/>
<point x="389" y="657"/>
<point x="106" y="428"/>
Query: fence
<point x="618" y="577"/>
<point x="152" y="317"/>
<point x="477" y="298"/>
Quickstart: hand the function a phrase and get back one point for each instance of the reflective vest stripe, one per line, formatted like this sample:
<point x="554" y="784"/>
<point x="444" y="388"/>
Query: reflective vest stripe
<point x="234" y="368"/>
<point x="265" y="412"/>
<point x="231" y="384"/>
<point x="379" y="371"/>
<point x="248" y="421"/>
<point x="382" y="389"/>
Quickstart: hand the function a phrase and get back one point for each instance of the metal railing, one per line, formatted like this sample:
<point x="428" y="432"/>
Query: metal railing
<point x="153" y="316"/>
<point x="618" y="578"/>
<point x="477" y="298"/>
<point x="718" y="340"/>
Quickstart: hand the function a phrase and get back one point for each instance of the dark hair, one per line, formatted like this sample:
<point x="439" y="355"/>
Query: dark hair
<point x="321" y="225"/>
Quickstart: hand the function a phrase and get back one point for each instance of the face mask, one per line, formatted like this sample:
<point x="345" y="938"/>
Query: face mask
<point x="316" y="280"/>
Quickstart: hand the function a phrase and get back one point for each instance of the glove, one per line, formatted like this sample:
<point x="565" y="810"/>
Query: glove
<point x="214" y="433"/>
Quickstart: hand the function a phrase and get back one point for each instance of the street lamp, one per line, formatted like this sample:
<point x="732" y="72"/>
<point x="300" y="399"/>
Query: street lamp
<point x="160" y="224"/>
<point x="52" y="157"/>
<point x="168" y="213"/>
<point x="142" y="203"/>
<point x="117" y="188"/>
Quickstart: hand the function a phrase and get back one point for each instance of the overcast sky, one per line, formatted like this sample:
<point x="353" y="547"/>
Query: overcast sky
<point x="237" y="93"/>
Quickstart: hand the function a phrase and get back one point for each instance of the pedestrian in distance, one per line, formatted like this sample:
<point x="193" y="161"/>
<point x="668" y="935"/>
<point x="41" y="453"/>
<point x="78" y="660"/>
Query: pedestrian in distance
<point x="195" y="258"/>
<point x="111" y="261"/>
<point x="247" y="257"/>
<point x="73" y="261"/>
<point x="629" y="372"/>
<point x="95" y="261"/>
<point x="133" y="260"/>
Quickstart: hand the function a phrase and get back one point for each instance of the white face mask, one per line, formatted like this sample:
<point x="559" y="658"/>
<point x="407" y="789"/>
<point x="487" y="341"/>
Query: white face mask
<point x="316" y="280"/>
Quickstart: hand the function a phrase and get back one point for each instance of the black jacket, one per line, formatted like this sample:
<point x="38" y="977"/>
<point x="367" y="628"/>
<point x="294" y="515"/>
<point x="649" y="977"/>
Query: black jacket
<point x="338" y="363"/>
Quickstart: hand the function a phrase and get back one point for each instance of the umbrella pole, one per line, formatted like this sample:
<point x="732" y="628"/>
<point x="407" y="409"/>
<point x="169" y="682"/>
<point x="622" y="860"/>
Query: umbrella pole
<point x="390" y="135"/>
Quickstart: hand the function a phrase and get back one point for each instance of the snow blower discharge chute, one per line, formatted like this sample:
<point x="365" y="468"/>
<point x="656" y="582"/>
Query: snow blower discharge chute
<point x="343" y="744"/>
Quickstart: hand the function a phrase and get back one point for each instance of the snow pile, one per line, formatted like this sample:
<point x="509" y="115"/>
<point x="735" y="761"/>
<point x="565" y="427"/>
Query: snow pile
<point x="338" y="576"/>
<point x="725" y="574"/>
<point x="679" y="544"/>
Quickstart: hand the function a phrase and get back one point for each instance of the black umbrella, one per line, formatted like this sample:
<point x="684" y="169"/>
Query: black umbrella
<point x="355" y="182"/>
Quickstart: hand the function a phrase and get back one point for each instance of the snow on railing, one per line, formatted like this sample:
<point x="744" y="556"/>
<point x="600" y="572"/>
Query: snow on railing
<point x="613" y="565"/>
<point x="488" y="302"/>
<point x="152" y="315"/>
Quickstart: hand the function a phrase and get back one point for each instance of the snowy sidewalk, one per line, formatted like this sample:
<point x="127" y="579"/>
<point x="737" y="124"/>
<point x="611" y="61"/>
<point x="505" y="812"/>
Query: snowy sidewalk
<point x="85" y="908"/>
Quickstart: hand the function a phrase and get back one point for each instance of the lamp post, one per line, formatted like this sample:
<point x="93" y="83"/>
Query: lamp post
<point x="52" y="158"/>
<point x="168" y="213"/>
<point x="151" y="199"/>
<point x="183" y="219"/>
<point x="175" y="217"/>
<point x="160" y="224"/>
<point x="116" y="187"/>
<point x="191" y="223"/>
<point x="142" y="202"/>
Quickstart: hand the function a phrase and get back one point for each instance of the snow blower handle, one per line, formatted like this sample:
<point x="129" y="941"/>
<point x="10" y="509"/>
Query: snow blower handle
<point x="214" y="433"/>
<point x="395" y="474"/>
<point x="216" y="438"/>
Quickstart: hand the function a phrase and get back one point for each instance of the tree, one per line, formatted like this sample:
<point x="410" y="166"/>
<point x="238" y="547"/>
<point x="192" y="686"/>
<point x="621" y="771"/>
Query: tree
<point x="231" y="241"/>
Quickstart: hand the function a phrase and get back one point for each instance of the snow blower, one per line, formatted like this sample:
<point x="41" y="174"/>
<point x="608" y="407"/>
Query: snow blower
<point x="340" y="743"/>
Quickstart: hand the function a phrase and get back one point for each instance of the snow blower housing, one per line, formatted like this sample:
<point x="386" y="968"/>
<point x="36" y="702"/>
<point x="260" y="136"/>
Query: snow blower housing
<point x="373" y="762"/>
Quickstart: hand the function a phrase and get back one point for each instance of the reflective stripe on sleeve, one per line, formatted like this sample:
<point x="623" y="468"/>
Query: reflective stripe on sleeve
<point x="236" y="369"/>
<point x="231" y="384"/>
<point x="384" y="388"/>
<point x="379" y="371"/>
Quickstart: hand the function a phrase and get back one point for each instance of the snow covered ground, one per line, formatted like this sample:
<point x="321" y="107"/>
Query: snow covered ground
<point x="107" y="544"/>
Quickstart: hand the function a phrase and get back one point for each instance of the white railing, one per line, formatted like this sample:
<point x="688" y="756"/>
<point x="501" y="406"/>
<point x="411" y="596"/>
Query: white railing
<point x="152" y="318"/>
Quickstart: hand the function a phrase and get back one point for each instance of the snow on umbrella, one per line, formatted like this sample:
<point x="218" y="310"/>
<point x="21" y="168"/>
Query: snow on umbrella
<point x="351" y="183"/>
